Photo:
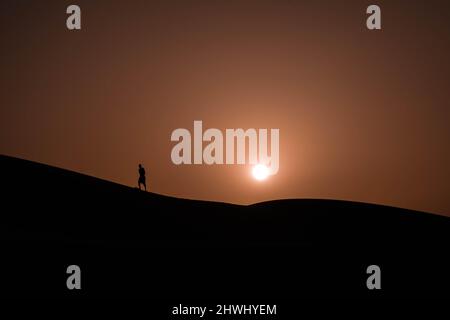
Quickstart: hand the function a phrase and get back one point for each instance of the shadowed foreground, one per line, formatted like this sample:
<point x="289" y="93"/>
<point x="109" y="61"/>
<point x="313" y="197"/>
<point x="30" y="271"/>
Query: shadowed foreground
<point x="132" y="243"/>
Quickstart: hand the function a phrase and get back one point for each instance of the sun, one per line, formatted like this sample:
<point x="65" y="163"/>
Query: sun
<point x="260" y="172"/>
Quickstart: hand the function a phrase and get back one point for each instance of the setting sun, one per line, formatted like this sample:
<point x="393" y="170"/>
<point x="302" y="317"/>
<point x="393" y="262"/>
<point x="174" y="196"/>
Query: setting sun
<point x="260" y="172"/>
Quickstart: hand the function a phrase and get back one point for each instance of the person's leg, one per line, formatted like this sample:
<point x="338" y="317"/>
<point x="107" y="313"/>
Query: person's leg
<point x="145" y="186"/>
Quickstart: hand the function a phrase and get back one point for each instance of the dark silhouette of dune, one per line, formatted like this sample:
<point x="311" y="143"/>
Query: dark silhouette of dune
<point x="138" y="243"/>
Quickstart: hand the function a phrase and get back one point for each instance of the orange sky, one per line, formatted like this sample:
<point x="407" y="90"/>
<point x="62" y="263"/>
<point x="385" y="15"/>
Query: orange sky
<point x="362" y="115"/>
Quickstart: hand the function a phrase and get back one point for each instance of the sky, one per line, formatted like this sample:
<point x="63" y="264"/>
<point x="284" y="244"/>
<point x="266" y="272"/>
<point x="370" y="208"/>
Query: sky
<point x="363" y="115"/>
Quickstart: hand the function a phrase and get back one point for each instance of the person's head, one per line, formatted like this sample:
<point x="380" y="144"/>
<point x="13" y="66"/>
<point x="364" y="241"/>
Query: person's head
<point x="140" y="165"/>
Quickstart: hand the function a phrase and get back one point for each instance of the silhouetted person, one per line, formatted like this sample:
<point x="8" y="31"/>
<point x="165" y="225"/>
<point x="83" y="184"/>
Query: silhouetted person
<point x="142" y="178"/>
